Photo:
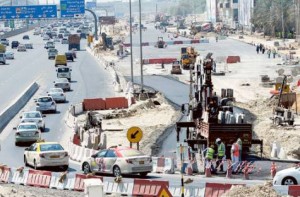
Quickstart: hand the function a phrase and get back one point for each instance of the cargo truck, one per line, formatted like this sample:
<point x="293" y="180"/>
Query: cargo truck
<point x="74" y="42"/>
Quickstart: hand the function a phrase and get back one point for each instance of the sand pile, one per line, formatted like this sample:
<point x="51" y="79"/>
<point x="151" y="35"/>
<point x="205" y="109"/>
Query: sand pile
<point x="257" y="190"/>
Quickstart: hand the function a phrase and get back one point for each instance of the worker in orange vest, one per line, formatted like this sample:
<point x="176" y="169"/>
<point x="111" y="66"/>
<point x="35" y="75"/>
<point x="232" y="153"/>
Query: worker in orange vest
<point x="235" y="156"/>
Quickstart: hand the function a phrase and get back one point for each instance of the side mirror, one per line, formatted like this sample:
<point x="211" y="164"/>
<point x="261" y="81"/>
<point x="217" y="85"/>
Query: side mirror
<point x="53" y="81"/>
<point x="94" y="156"/>
<point x="15" y="128"/>
<point x="43" y="115"/>
<point x="21" y="117"/>
<point x="70" y="69"/>
<point x="27" y="149"/>
<point x="35" y="100"/>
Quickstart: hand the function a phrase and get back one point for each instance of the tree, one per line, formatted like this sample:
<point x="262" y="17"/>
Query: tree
<point x="185" y="7"/>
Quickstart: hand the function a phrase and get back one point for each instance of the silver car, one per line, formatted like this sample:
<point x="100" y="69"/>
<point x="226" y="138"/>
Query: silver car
<point x="34" y="116"/>
<point x="45" y="103"/>
<point x="62" y="83"/>
<point x="27" y="132"/>
<point x="57" y="94"/>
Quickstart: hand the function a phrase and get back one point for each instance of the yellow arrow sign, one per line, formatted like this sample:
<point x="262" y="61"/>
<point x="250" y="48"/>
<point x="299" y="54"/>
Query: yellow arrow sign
<point x="134" y="134"/>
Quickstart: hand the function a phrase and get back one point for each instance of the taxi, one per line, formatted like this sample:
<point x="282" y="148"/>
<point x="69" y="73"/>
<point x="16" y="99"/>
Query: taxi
<point x="118" y="160"/>
<point x="46" y="154"/>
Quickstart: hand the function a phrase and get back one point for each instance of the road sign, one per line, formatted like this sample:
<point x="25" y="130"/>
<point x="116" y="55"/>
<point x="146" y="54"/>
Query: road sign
<point x="24" y="12"/>
<point x="134" y="134"/>
<point x="90" y="5"/>
<point x="71" y="8"/>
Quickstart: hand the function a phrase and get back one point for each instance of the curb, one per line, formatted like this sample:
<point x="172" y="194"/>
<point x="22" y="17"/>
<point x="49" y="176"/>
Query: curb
<point x="8" y="113"/>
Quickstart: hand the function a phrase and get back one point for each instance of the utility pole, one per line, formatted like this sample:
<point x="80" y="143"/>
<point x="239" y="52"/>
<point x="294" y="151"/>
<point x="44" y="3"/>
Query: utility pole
<point x="130" y="24"/>
<point x="141" y="46"/>
<point x="282" y="20"/>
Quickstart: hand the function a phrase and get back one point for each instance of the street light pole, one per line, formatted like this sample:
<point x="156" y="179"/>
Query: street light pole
<point x="282" y="19"/>
<point x="141" y="46"/>
<point x="130" y="24"/>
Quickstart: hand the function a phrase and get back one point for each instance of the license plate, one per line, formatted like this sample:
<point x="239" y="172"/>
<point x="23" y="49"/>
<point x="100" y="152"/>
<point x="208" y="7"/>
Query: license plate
<point x="141" y="162"/>
<point x="54" y="156"/>
<point x="27" y="134"/>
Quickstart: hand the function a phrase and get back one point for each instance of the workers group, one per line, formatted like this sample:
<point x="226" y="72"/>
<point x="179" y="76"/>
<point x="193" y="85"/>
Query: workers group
<point x="220" y="155"/>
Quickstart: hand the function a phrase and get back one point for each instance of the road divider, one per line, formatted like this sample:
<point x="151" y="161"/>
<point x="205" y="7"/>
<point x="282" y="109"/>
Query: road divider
<point x="38" y="178"/>
<point x="233" y="59"/>
<point x="4" y="174"/>
<point x="8" y="113"/>
<point x="163" y="165"/>
<point x="159" y="61"/>
<point x="79" y="180"/>
<point x="105" y="103"/>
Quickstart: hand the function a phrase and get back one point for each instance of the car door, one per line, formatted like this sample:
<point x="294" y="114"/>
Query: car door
<point x="29" y="154"/>
<point x="109" y="160"/>
<point x="98" y="164"/>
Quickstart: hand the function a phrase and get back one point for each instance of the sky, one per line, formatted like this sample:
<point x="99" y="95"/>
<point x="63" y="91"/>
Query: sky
<point x="57" y="1"/>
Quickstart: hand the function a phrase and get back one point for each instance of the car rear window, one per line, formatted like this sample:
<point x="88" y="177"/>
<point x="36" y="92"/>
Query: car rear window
<point x="63" y="70"/>
<point x="1" y="55"/>
<point x="45" y="99"/>
<point x="56" y="90"/>
<point x="131" y="153"/>
<point x="32" y="115"/>
<point x="32" y="126"/>
<point x="50" y="147"/>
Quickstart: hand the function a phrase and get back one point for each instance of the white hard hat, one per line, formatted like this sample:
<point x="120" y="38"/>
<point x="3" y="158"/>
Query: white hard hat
<point x="218" y="140"/>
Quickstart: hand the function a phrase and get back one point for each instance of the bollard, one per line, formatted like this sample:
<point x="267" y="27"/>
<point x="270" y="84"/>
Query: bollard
<point x="273" y="169"/>
<point x="246" y="171"/>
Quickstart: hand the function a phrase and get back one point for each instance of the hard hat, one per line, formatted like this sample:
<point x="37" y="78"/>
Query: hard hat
<point x="218" y="140"/>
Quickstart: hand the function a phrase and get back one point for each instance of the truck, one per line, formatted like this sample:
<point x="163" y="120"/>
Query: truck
<point x="2" y="48"/>
<point x="74" y="42"/>
<point x="211" y="117"/>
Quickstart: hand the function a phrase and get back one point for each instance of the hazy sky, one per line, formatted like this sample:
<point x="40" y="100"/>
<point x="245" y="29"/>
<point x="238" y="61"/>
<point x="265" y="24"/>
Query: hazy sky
<point x="57" y="1"/>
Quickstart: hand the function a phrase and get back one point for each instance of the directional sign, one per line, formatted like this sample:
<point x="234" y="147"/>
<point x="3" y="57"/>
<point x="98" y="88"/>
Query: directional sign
<point x="24" y="12"/>
<point x="134" y="134"/>
<point x="71" y="8"/>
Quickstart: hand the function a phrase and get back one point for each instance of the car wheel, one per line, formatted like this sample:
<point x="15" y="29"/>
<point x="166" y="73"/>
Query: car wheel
<point x="25" y="161"/>
<point x="116" y="171"/>
<point x="86" y="168"/>
<point x="143" y="174"/>
<point x="289" y="181"/>
<point x="16" y="143"/>
<point x="65" y="168"/>
<point x="43" y="129"/>
<point x="35" y="165"/>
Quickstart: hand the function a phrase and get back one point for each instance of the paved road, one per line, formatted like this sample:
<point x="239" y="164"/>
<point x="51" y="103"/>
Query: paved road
<point x="89" y="80"/>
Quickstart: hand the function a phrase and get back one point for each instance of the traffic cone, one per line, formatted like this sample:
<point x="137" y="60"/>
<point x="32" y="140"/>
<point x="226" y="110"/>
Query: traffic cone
<point x="229" y="169"/>
<point x="207" y="169"/>
<point x="273" y="169"/>
<point x="189" y="170"/>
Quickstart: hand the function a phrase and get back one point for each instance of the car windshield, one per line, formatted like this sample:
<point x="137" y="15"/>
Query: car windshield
<point x="131" y="153"/>
<point x="50" y="147"/>
<point x="62" y="80"/>
<point x="45" y="99"/>
<point x="56" y="90"/>
<point x="29" y="126"/>
<point x="63" y="70"/>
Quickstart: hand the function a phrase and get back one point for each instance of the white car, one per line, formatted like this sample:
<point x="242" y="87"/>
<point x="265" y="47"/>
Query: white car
<point x="34" y="116"/>
<point x="57" y="94"/>
<point x="64" y="72"/>
<point x="56" y="39"/>
<point x="64" y="41"/>
<point x="46" y="37"/>
<point x="28" y="45"/>
<point x="290" y="176"/>
<point x="45" y="103"/>
<point x="118" y="160"/>
<point x="43" y="154"/>
<point x="62" y="83"/>
<point x="27" y="132"/>
<point x="9" y="55"/>
<point x="21" y="47"/>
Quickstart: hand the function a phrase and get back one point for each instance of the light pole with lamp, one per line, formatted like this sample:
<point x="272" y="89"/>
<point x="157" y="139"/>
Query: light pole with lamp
<point x="130" y="30"/>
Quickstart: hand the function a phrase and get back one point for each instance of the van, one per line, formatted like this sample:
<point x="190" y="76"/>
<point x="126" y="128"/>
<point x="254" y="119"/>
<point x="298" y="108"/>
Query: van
<point x="64" y="72"/>
<point x="60" y="60"/>
<point x="2" y="58"/>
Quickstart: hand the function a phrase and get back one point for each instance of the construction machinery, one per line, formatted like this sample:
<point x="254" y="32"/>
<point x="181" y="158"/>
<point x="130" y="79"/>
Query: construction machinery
<point x="176" y="68"/>
<point x="188" y="57"/>
<point x="211" y="117"/>
<point x="281" y="114"/>
<point x="160" y="43"/>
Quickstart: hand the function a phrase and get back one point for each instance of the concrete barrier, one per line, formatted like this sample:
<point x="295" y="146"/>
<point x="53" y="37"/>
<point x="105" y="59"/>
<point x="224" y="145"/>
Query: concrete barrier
<point x="8" y="113"/>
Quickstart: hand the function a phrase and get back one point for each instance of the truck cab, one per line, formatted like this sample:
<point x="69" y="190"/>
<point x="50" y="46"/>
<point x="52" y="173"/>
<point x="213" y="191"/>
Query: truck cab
<point x="3" y="58"/>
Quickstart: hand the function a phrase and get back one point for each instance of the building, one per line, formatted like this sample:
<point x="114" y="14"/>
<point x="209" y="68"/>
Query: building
<point x="245" y="8"/>
<point x="212" y="10"/>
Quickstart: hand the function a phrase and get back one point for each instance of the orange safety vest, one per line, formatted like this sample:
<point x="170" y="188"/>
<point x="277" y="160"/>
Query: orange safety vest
<point x="236" y="151"/>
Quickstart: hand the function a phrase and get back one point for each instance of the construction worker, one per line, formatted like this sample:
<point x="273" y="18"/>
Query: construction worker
<point x="220" y="154"/>
<point x="210" y="152"/>
<point x="235" y="156"/>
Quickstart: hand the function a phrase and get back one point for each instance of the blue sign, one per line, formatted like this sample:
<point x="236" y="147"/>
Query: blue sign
<point x="90" y="5"/>
<point x="71" y="8"/>
<point x="28" y="12"/>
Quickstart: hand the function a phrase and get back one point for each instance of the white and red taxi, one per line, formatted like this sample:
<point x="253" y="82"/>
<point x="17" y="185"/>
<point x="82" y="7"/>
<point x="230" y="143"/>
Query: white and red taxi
<point x="118" y="160"/>
<point x="46" y="154"/>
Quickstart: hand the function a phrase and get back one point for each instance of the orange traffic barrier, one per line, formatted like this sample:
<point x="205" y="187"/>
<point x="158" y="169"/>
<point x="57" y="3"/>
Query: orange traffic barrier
<point x="178" y="42"/>
<point x="229" y="169"/>
<point x="233" y="59"/>
<point x="216" y="189"/>
<point x="144" y="188"/>
<point x="39" y="178"/>
<point x="160" y="61"/>
<point x="79" y="180"/>
<point x="294" y="190"/>
<point x="207" y="169"/>
<point x="116" y="103"/>
<point x="273" y="169"/>
<point x="93" y="104"/>
<point x="195" y="41"/>
<point x="4" y="174"/>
